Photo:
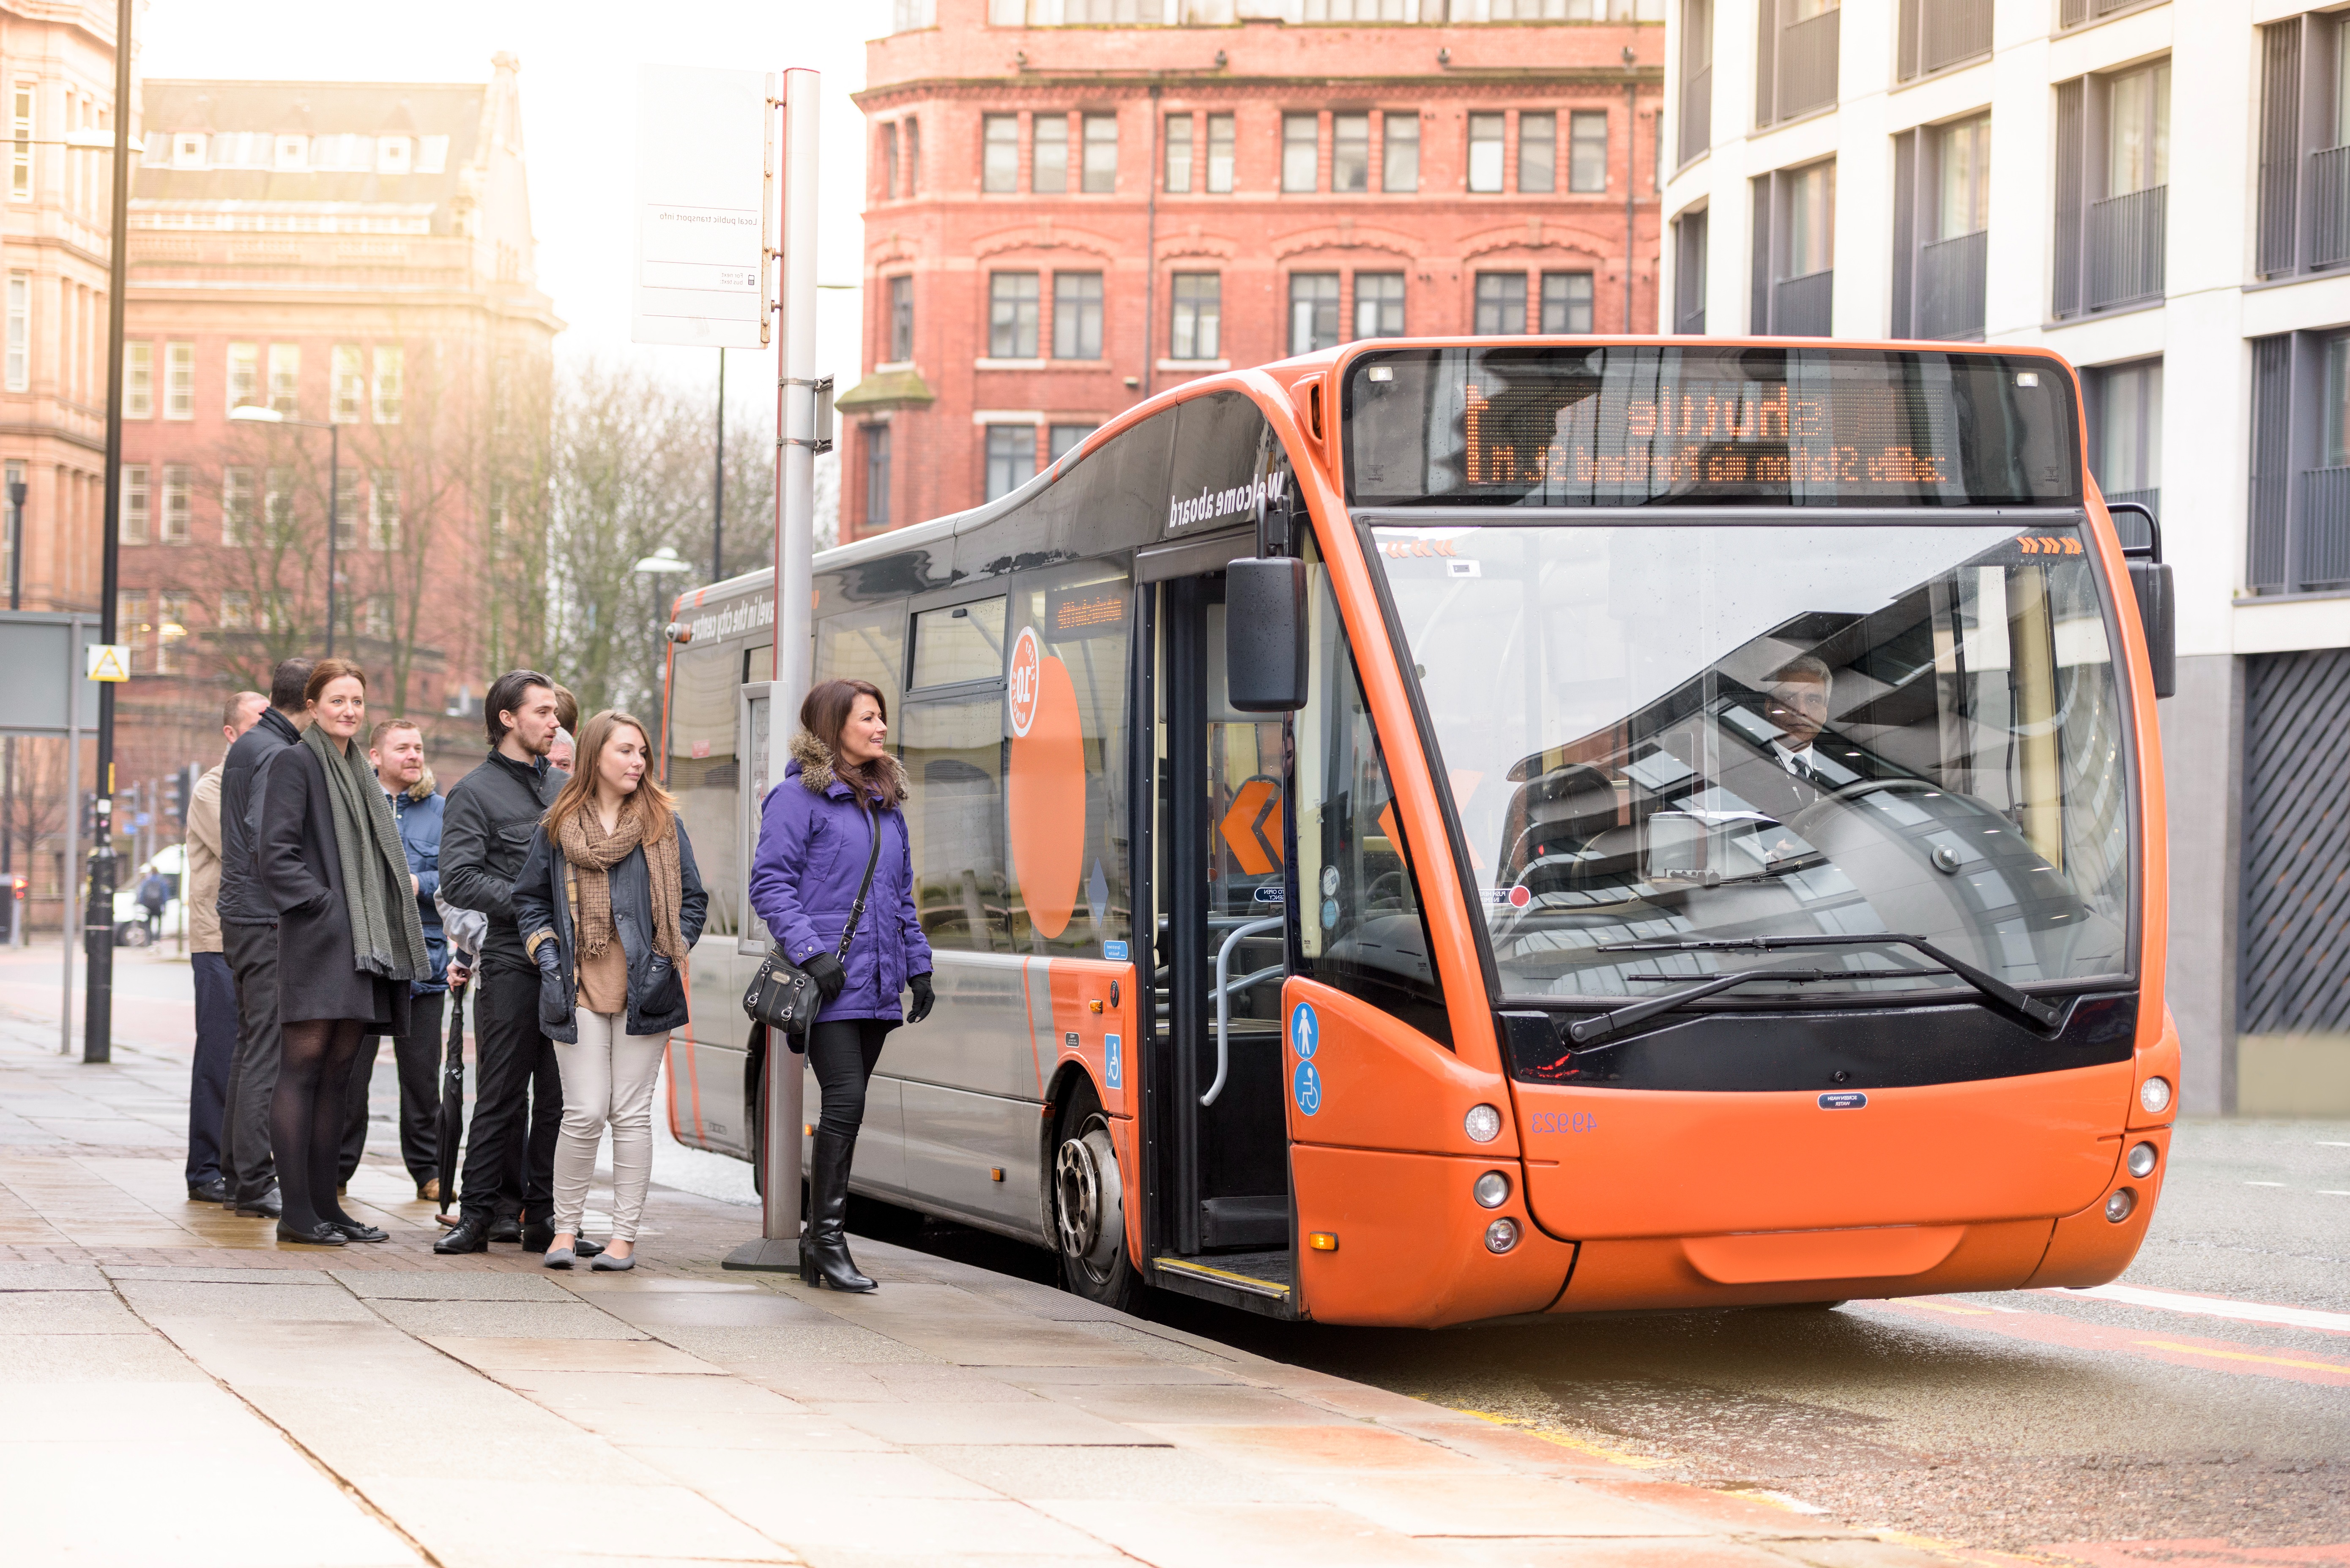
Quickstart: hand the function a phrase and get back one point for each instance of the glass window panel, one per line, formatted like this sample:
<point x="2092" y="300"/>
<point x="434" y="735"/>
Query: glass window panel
<point x="1399" y="157"/>
<point x="1076" y="315"/>
<point x="1566" y="302"/>
<point x="1010" y="458"/>
<point x="901" y="319"/>
<point x="1485" y="152"/>
<point x="1048" y="172"/>
<point x="1221" y="139"/>
<point x="1101" y="153"/>
<point x="1350" y="152"/>
<point x="1179" y="153"/>
<point x="1811" y="220"/>
<point x="1378" y="305"/>
<point x="1199" y="308"/>
<point x="1965" y="171"/>
<point x="1312" y="311"/>
<point x="1501" y="304"/>
<point x="1587" y="154"/>
<point x="1537" y="153"/>
<point x="1300" y="151"/>
<point x="962" y="642"/>
<point x="1012" y="316"/>
<point x="999" y="168"/>
<point x="703" y="774"/>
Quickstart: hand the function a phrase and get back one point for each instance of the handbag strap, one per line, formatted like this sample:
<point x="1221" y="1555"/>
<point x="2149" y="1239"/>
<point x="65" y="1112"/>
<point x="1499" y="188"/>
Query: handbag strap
<point x="865" y="888"/>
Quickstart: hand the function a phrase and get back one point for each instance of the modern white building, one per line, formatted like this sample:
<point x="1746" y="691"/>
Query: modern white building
<point x="2159" y="190"/>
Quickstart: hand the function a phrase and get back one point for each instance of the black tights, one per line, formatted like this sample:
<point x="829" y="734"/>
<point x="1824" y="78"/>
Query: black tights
<point x="306" y="1118"/>
<point x="842" y="1053"/>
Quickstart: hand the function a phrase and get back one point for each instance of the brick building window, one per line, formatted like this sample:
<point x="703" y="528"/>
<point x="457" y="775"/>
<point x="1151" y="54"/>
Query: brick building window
<point x="1566" y="302"/>
<point x="389" y="365"/>
<point x="350" y="385"/>
<point x="171" y="634"/>
<point x="1178" y="154"/>
<point x="179" y="381"/>
<point x="1399" y="161"/>
<point x="136" y="626"/>
<point x="876" y="476"/>
<point x="277" y="501"/>
<point x="998" y="155"/>
<point x="1221" y="139"/>
<point x="347" y="510"/>
<point x="1197" y="330"/>
<point x="1010" y="458"/>
<point x="135" y="510"/>
<point x="378" y="611"/>
<point x="139" y="381"/>
<point x="236" y="505"/>
<point x="1300" y="151"/>
<point x="1501" y="304"/>
<point x="236" y="611"/>
<point x="1062" y="439"/>
<point x="20" y="162"/>
<point x="383" y="517"/>
<point x="1076" y="315"/>
<point x="1537" y="152"/>
<point x="285" y="378"/>
<point x="1048" y="169"/>
<point x="243" y="374"/>
<point x="1378" y="305"/>
<point x="1312" y="311"/>
<point x="176" y="509"/>
<point x="20" y="331"/>
<point x="1101" y="153"/>
<point x="1350" y="152"/>
<point x="914" y="156"/>
<point x="1587" y="156"/>
<point x="1485" y="152"/>
<point x="1012" y="316"/>
<point x="889" y="161"/>
<point x="901" y="320"/>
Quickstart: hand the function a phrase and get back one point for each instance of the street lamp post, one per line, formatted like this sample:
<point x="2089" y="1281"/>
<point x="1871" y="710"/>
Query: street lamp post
<point x="8" y="802"/>
<point x="256" y="413"/>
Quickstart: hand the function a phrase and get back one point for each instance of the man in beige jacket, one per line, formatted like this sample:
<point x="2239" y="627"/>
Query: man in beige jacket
<point x="215" y="985"/>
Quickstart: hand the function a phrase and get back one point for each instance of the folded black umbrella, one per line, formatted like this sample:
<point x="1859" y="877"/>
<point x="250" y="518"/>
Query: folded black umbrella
<point x="451" y="1126"/>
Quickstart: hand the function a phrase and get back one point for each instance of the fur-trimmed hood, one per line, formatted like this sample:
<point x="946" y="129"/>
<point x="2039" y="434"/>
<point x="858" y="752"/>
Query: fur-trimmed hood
<point x="817" y="773"/>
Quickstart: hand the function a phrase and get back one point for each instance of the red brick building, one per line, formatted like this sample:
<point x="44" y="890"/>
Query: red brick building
<point x="359" y="257"/>
<point x="1063" y="218"/>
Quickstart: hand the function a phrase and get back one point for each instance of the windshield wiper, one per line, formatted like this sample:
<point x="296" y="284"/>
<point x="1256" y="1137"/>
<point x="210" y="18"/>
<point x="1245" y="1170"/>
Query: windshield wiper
<point x="2003" y="996"/>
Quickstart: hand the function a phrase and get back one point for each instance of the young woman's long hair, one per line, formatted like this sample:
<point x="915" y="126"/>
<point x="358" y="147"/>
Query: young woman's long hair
<point x="648" y="801"/>
<point x="825" y="714"/>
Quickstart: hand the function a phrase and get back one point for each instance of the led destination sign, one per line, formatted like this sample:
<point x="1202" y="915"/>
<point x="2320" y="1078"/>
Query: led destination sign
<point x="1549" y="426"/>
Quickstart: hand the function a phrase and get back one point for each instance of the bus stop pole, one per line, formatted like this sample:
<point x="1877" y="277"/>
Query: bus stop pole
<point x="70" y="880"/>
<point x="797" y="438"/>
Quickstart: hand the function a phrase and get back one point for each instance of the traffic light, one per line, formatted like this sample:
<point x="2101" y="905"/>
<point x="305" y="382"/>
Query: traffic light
<point x="89" y="815"/>
<point x="179" y="788"/>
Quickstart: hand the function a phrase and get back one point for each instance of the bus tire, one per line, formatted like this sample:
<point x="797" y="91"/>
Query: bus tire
<point x="1090" y="1206"/>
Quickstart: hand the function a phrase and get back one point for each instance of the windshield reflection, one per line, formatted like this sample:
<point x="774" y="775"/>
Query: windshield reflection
<point x="1724" y="732"/>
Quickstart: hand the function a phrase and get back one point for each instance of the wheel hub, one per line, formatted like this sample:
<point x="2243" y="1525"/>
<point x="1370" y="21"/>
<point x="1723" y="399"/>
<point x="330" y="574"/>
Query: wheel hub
<point x="1089" y="1197"/>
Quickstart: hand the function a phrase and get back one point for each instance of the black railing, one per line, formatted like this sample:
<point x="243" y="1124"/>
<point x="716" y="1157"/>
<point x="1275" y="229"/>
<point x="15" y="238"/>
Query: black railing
<point x="1951" y="278"/>
<point x="1800" y="307"/>
<point x="2329" y="207"/>
<point x="1950" y="31"/>
<point x="2323" y="549"/>
<point x="1807" y="64"/>
<point x="2126" y="246"/>
<point x="1696" y="112"/>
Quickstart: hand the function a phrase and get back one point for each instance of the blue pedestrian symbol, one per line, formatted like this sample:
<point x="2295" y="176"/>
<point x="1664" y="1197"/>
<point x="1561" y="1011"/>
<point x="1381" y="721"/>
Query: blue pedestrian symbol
<point x="1113" y="1061"/>
<point x="1308" y="1086"/>
<point x="1304" y="1031"/>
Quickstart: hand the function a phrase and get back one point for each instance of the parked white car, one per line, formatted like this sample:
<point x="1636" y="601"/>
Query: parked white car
<point x="130" y="920"/>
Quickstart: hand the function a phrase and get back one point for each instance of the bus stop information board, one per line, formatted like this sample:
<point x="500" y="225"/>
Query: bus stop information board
<point x="703" y="141"/>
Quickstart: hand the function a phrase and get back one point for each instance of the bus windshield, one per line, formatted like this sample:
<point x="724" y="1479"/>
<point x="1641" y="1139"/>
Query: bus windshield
<point x="1665" y="732"/>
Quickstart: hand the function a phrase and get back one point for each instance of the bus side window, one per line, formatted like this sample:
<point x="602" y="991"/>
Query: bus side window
<point x="704" y="774"/>
<point x="864" y="644"/>
<point x="1362" y="927"/>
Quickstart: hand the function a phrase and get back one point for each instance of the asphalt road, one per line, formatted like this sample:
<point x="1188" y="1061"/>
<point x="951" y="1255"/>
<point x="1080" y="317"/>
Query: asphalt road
<point x="2171" y="1413"/>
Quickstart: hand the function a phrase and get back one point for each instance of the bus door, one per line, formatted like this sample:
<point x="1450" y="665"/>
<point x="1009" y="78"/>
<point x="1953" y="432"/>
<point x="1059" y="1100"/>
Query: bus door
<point x="1221" y="1217"/>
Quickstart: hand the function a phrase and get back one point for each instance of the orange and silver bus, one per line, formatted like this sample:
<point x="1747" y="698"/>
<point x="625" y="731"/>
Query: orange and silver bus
<point x="1449" y="830"/>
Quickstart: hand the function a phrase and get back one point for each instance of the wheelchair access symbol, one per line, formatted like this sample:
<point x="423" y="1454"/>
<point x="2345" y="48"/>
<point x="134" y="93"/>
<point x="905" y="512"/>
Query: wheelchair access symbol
<point x="1305" y="1039"/>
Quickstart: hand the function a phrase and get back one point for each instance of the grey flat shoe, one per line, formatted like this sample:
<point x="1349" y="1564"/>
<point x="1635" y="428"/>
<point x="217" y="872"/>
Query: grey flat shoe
<point x="558" y="1257"/>
<point x="606" y="1264"/>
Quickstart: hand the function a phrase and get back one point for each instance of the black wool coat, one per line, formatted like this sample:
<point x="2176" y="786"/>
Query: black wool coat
<point x="301" y="872"/>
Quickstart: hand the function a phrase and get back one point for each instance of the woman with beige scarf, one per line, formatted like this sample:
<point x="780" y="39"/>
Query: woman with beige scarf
<point x="610" y="904"/>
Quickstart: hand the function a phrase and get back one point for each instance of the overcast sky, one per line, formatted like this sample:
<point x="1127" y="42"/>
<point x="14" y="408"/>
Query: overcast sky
<point x="579" y="60"/>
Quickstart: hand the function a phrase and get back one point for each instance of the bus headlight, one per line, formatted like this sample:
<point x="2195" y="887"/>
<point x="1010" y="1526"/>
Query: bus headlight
<point x="1491" y="1190"/>
<point x="2119" y="1206"/>
<point x="1482" y="1123"/>
<point x="2142" y="1157"/>
<point x="2154" y="1095"/>
<point x="1500" y="1235"/>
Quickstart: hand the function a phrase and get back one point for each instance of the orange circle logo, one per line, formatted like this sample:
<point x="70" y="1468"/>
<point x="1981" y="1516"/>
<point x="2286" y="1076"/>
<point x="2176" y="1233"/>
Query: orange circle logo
<point x="1027" y="666"/>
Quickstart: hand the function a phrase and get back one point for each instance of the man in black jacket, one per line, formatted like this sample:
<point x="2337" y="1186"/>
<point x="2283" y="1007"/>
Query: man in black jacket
<point x="249" y="936"/>
<point x="485" y="831"/>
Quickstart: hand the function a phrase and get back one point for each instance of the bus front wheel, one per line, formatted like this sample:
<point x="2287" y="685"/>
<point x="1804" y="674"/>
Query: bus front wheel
<point x="1089" y="1207"/>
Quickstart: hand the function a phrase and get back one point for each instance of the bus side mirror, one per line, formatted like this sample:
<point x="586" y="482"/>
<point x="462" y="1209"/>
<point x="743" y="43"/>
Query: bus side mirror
<point x="1264" y="635"/>
<point x="2152" y="582"/>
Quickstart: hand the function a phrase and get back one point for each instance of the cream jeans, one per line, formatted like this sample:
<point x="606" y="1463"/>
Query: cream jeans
<point x="607" y="1077"/>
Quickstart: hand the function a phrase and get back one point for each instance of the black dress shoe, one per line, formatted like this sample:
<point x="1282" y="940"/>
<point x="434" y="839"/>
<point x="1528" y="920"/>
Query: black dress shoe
<point x="213" y="1191"/>
<point x="470" y="1235"/>
<point x="356" y="1231"/>
<point x="505" y="1230"/>
<point x="582" y="1247"/>
<point x="268" y="1206"/>
<point x="320" y="1235"/>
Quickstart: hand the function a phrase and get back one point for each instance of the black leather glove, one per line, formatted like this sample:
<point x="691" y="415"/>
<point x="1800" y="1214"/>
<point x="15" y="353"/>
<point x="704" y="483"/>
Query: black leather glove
<point x="660" y="980"/>
<point x="920" y="984"/>
<point x="553" y="1006"/>
<point x="826" y="970"/>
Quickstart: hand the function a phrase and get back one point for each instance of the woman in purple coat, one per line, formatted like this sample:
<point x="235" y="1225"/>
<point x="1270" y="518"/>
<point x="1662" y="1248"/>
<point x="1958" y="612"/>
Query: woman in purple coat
<point x="817" y="830"/>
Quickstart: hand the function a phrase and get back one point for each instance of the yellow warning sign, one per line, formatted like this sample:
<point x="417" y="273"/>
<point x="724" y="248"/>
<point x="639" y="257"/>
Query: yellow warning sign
<point x="110" y="660"/>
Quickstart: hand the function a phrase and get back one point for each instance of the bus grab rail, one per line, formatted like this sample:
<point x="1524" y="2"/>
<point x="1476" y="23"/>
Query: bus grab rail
<point x="1224" y="1002"/>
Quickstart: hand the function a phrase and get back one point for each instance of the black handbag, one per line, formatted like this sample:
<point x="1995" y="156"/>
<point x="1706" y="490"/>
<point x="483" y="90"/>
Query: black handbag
<point x="785" y="997"/>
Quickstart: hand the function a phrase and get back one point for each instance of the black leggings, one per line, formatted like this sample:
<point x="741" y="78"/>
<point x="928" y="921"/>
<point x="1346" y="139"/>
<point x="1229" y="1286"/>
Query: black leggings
<point x="306" y="1118"/>
<point x="842" y="1053"/>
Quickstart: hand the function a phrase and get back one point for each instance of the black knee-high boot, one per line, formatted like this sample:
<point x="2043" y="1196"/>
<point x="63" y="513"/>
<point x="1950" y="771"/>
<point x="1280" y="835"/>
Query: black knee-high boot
<point x="824" y="1245"/>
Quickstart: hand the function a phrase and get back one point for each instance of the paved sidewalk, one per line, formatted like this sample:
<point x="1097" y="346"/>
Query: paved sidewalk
<point x="181" y="1391"/>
